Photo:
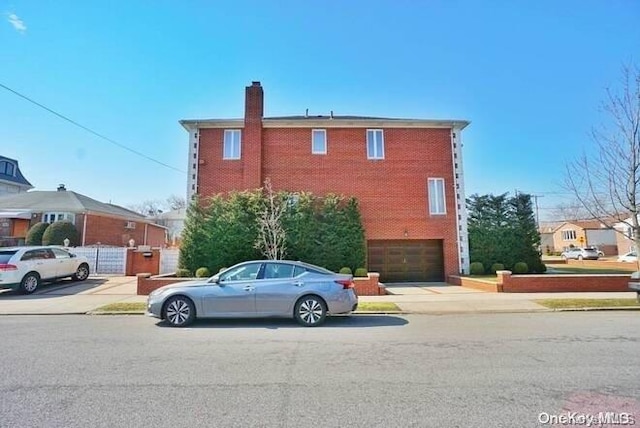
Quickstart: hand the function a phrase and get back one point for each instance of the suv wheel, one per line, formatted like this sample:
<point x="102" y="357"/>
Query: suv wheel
<point x="30" y="283"/>
<point x="82" y="273"/>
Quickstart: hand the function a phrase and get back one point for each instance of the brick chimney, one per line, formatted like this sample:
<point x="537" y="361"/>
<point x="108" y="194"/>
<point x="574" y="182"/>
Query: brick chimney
<point x="252" y="136"/>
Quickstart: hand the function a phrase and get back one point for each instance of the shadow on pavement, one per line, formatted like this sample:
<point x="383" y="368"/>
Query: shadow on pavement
<point x="47" y="290"/>
<point x="339" y="321"/>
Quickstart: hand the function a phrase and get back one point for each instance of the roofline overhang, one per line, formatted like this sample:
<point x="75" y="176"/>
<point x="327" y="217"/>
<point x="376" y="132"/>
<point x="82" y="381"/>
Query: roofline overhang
<point x="192" y="125"/>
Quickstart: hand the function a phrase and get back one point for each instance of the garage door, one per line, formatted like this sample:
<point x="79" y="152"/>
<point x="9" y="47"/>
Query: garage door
<point x="406" y="260"/>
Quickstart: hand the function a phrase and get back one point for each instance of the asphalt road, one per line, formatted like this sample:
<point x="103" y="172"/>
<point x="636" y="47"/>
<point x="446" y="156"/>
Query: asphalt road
<point x="501" y="370"/>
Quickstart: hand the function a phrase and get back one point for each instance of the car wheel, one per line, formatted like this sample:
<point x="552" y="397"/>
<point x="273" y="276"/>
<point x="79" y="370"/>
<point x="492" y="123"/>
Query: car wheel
<point x="82" y="273"/>
<point x="30" y="283"/>
<point x="179" y="311"/>
<point x="310" y="311"/>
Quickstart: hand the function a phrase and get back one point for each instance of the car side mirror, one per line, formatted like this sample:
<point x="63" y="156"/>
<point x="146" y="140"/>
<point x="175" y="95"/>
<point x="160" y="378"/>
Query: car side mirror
<point x="73" y="256"/>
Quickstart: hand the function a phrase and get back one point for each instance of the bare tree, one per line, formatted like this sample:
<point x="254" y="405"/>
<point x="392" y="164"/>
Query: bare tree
<point x="150" y="207"/>
<point x="606" y="181"/>
<point x="271" y="235"/>
<point x="572" y="210"/>
<point x="175" y="202"/>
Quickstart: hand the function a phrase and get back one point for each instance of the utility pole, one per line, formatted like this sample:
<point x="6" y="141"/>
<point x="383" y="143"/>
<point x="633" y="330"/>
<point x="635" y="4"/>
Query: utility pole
<point x="535" y="197"/>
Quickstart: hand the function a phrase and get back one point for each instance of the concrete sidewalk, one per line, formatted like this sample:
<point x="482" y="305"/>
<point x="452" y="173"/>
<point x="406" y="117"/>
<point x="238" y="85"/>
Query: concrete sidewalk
<point x="67" y="297"/>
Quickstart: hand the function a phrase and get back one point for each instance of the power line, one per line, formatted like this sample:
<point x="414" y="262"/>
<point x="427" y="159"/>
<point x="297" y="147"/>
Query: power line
<point x="73" y="122"/>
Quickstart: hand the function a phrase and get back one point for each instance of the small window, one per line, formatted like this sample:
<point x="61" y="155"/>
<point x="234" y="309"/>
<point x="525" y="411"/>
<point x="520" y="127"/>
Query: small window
<point x="569" y="235"/>
<point x="319" y="142"/>
<point x="60" y="254"/>
<point x="7" y="168"/>
<point x="244" y="272"/>
<point x="53" y="217"/>
<point x="375" y="144"/>
<point x="298" y="270"/>
<point x="437" y="199"/>
<point x="231" y="148"/>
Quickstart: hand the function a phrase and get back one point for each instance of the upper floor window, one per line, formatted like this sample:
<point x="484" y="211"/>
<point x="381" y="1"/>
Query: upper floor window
<point x="319" y="142"/>
<point x="375" y="144"/>
<point x="7" y="168"/>
<point x="569" y="235"/>
<point x="436" y="196"/>
<point x="231" y="144"/>
<point x="55" y="216"/>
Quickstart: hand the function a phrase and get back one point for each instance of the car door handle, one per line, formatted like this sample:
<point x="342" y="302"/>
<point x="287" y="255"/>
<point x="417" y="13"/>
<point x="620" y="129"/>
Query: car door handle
<point x="298" y="283"/>
<point x="249" y="288"/>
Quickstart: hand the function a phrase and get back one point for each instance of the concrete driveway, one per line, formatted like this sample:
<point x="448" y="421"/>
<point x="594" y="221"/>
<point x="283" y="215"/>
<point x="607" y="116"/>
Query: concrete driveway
<point x="68" y="297"/>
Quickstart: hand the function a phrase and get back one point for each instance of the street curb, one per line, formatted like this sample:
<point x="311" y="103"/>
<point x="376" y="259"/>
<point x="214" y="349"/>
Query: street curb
<point x="604" y="308"/>
<point x="114" y="313"/>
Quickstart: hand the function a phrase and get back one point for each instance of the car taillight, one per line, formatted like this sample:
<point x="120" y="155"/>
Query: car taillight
<point x="346" y="283"/>
<point x="7" y="267"/>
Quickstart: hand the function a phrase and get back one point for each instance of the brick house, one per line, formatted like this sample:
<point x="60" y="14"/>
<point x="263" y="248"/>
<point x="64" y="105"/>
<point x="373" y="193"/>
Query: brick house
<point x="96" y="222"/>
<point x="406" y="174"/>
<point x="559" y="236"/>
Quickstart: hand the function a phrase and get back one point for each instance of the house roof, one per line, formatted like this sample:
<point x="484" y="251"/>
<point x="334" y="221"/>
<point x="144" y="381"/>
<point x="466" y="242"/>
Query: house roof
<point x="327" y="121"/>
<point x="179" y="214"/>
<point x="63" y="201"/>
<point x="582" y="224"/>
<point x="17" y="178"/>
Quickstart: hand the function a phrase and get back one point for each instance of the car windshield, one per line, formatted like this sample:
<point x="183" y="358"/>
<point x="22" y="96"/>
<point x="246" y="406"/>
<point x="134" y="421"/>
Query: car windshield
<point x="6" y="255"/>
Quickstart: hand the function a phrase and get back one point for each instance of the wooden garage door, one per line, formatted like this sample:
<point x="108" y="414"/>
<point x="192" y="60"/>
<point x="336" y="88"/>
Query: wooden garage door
<point x="406" y="260"/>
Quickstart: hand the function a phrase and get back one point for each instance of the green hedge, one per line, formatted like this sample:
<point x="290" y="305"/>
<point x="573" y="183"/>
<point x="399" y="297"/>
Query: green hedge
<point x="57" y="232"/>
<point x="34" y="235"/>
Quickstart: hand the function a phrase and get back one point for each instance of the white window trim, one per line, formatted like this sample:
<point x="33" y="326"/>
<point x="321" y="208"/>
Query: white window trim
<point x="443" y="199"/>
<point x="224" y="142"/>
<point x="324" y="133"/>
<point x="379" y="155"/>
<point x="66" y="216"/>
<point x="566" y="235"/>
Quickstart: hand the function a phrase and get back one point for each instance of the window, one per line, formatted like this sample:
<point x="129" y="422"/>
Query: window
<point x="55" y="216"/>
<point x="375" y="144"/>
<point x="277" y="271"/>
<point x="436" y="196"/>
<point x="231" y="144"/>
<point x="7" y="168"/>
<point x="569" y="235"/>
<point x="244" y="272"/>
<point x="319" y="142"/>
<point x="60" y="254"/>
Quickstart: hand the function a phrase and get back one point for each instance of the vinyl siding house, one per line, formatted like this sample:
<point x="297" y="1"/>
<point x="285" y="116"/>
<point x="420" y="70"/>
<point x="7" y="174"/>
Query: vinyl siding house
<point x="578" y="233"/>
<point x="406" y="174"/>
<point x="11" y="179"/>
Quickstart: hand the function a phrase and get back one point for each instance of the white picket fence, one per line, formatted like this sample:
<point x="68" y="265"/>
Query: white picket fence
<point x="113" y="260"/>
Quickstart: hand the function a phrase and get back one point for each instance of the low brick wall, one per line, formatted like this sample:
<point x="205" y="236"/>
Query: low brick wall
<point x="369" y="286"/>
<point x="546" y="283"/>
<point x="603" y="264"/>
<point x="147" y="283"/>
<point x="475" y="283"/>
<point x="364" y="286"/>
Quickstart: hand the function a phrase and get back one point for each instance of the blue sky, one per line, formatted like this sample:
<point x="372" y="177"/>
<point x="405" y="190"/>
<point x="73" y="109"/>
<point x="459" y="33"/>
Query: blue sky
<point x="529" y="75"/>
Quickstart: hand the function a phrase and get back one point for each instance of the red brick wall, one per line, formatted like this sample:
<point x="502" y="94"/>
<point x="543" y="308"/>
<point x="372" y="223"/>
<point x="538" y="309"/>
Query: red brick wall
<point x="562" y="283"/>
<point x="369" y="286"/>
<point x="146" y="284"/>
<point x="392" y="192"/>
<point x="138" y="262"/>
<point x="112" y="231"/>
<point x="475" y="283"/>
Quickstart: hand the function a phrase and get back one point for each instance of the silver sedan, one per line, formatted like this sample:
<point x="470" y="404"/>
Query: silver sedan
<point x="261" y="288"/>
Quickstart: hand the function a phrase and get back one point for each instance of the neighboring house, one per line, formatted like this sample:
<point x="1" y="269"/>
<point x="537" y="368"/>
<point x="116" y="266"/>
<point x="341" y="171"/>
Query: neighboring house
<point x="11" y="179"/>
<point x="546" y="230"/>
<point x="97" y="222"/>
<point x="624" y="237"/>
<point x="582" y="233"/>
<point x="174" y="222"/>
<point x="406" y="174"/>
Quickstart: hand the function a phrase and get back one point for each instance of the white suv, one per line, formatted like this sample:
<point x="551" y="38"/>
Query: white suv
<point x="24" y="268"/>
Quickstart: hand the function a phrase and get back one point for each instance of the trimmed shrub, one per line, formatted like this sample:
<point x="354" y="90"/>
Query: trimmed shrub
<point x="476" y="268"/>
<point x="496" y="267"/>
<point x="34" y="235"/>
<point x="361" y="273"/>
<point x="203" y="272"/>
<point x="346" y="271"/>
<point x="520" y="267"/>
<point x="57" y="232"/>
<point x="183" y="273"/>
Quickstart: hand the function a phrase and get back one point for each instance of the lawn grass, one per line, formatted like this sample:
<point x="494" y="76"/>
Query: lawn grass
<point x="586" y="303"/>
<point x="123" y="307"/>
<point x="141" y="307"/>
<point x="378" y="306"/>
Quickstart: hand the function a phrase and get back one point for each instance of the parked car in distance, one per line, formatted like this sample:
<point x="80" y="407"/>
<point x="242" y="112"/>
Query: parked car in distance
<point x="260" y="288"/>
<point x="630" y="257"/>
<point x="586" y="253"/>
<point x="25" y="268"/>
